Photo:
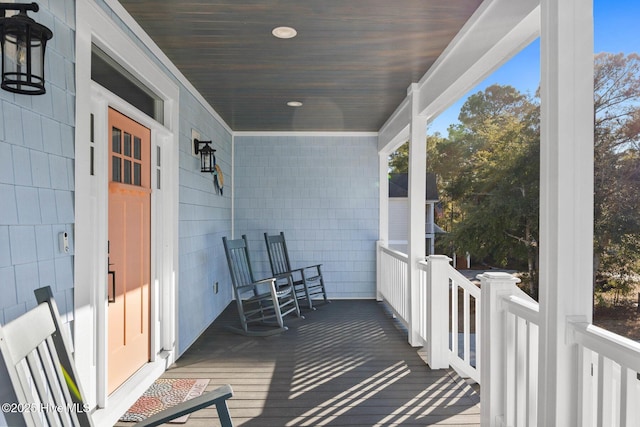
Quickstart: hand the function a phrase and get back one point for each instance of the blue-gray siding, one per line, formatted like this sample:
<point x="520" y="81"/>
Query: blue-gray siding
<point x="36" y="176"/>
<point x="204" y="217"/>
<point x="322" y="191"/>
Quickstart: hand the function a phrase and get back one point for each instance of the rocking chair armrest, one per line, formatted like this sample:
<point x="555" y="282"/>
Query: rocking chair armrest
<point x="315" y="267"/>
<point x="216" y="397"/>
<point x="284" y="275"/>
<point x="263" y="281"/>
<point x="283" y="280"/>
<point x="256" y="283"/>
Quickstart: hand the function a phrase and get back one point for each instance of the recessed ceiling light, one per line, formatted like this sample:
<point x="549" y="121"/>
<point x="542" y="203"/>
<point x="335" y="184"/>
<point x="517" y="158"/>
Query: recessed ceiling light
<point x="294" y="104"/>
<point x="284" y="32"/>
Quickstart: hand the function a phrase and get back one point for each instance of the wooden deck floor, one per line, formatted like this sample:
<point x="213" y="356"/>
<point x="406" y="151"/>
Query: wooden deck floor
<point x="346" y="364"/>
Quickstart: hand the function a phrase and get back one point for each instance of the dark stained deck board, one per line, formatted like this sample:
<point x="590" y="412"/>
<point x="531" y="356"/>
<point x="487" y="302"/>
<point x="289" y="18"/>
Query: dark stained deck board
<point x="346" y="364"/>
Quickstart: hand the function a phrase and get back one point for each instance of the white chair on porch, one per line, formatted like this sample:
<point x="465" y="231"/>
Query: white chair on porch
<point x="46" y="391"/>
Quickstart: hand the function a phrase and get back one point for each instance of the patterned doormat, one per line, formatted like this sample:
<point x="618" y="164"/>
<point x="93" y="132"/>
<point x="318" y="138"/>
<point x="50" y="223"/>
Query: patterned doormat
<point x="165" y="393"/>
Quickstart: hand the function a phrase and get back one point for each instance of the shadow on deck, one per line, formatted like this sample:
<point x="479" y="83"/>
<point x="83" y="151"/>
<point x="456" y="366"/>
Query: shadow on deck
<point x="346" y="364"/>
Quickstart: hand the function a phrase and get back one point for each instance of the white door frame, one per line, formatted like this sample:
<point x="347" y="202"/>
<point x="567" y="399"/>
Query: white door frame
<point x="94" y="26"/>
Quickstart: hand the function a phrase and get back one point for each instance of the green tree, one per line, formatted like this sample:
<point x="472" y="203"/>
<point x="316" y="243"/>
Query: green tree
<point x="399" y="159"/>
<point x="488" y="173"/>
<point x="496" y="182"/>
<point x="617" y="171"/>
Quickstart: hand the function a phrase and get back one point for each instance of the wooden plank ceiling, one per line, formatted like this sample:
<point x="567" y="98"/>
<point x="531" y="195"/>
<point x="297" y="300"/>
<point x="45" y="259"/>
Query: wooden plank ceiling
<point x="350" y="64"/>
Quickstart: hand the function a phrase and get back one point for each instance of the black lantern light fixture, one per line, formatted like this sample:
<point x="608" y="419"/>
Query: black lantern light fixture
<point x="23" y="42"/>
<point x="207" y="156"/>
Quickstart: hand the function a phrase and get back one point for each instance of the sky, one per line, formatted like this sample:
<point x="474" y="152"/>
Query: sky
<point x="616" y="29"/>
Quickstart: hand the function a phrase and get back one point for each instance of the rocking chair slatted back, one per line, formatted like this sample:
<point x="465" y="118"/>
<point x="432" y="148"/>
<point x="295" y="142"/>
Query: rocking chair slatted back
<point x="34" y="369"/>
<point x="62" y="343"/>
<point x="278" y="255"/>
<point x="308" y="282"/>
<point x="239" y="262"/>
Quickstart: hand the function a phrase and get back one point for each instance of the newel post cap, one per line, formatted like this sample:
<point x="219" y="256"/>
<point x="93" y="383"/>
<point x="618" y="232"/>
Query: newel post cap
<point x="439" y="258"/>
<point x="501" y="277"/>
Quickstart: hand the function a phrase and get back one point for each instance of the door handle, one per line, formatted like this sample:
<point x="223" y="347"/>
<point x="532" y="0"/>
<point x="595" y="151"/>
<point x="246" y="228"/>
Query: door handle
<point x="111" y="299"/>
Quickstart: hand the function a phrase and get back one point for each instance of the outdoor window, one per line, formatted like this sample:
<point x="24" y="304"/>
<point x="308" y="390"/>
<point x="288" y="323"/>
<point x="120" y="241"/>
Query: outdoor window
<point x="114" y="77"/>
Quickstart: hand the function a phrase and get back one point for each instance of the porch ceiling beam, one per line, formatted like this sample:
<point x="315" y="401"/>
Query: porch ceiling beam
<point x="396" y="131"/>
<point x="496" y="32"/>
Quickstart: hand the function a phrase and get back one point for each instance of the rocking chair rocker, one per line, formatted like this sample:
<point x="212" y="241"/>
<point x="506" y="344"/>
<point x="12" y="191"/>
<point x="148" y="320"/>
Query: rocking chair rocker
<point x="259" y="301"/>
<point x="307" y="281"/>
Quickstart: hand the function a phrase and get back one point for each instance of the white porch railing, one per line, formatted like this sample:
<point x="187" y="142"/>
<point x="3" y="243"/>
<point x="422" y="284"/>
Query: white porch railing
<point x="461" y="319"/>
<point x="609" y="366"/>
<point x="393" y="284"/>
<point x="509" y="371"/>
<point x="490" y="334"/>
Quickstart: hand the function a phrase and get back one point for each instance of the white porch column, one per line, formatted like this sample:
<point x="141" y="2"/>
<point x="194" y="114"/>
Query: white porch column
<point x="566" y="200"/>
<point x="383" y="224"/>
<point x="417" y="193"/>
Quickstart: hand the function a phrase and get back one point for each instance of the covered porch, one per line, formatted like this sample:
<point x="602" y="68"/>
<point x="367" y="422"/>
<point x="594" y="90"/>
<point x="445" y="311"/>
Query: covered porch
<point x="538" y="364"/>
<point x="321" y="177"/>
<point x="347" y="363"/>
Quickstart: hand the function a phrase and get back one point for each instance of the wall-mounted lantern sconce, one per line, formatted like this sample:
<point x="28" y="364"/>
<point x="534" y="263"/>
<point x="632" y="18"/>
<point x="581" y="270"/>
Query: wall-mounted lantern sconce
<point x="23" y="42"/>
<point x="207" y="156"/>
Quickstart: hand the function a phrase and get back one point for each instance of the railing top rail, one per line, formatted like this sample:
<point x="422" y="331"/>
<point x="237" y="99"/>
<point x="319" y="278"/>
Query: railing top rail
<point x="610" y="345"/>
<point x="396" y="254"/>
<point x="523" y="308"/>
<point x="464" y="282"/>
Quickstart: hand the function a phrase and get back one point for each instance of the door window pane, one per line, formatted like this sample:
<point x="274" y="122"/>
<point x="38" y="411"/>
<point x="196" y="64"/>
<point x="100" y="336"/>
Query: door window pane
<point x="137" y="173"/>
<point x="127" y="172"/>
<point x="115" y="140"/>
<point x="116" y="174"/>
<point x="127" y="144"/>
<point x="137" y="148"/>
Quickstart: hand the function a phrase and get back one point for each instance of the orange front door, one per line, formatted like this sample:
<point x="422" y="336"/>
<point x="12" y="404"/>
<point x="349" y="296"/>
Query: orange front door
<point x="129" y="248"/>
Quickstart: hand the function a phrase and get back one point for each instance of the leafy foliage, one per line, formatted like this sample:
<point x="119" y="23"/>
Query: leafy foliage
<point x="617" y="171"/>
<point x="495" y="184"/>
<point x="488" y="172"/>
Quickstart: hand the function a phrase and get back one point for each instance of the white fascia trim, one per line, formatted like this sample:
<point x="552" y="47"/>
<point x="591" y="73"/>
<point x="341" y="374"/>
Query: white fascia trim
<point x="396" y="141"/>
<point x="137" y="30"/>
<point x="303" y="133"/>
<point x="396" y="127"/>
<point x="498" y="30"/>
<point x="495" y="33"/>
